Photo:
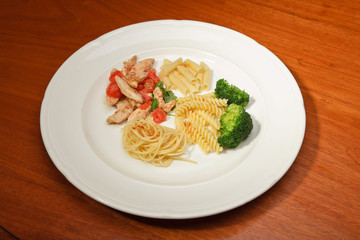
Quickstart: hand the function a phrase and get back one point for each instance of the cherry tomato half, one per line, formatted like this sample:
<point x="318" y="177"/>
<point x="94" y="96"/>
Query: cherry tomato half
<point x="140" y="87"/>
<point x="145" y="94"/>
<point x="149" y="84"/>
<point x="114" y="74"/>
<point x="145" y="105"/>
<point x="159" y="116"/>
<point x="113" y="90"/>
<point x="152" y="75"/>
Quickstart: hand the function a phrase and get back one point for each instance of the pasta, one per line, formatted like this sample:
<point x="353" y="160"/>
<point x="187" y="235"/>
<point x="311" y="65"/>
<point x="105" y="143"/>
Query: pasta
<point x="178" y="84"/>
<point x="198" y="116"/>
<point x="209" y="118"/>
<point x="209" y="106"/>
<point x="194" y="66"/>
<point x="166" y="69"/>
<point x="193" y="116"/>
<point x="167" y="82"/>
<point x="186" y="76"/>
<point x="191" y="79"/>
<point x="192" y="131"/>
<point x="206" y="77"/>
<point x="196" y="97"/>
<point x="153" y="143"/>
<point x="191" y="86"/>
<point x="208" y="135"/>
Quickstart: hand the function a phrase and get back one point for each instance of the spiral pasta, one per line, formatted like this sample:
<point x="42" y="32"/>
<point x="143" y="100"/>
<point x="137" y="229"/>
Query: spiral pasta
<point x="209" y="137"/>
<point x="195" y="135"/>
<point x="214" y="107"/>
<point x="198" y="116"/>
<point x="196" y="97"/>
<point x="209" y="118"/>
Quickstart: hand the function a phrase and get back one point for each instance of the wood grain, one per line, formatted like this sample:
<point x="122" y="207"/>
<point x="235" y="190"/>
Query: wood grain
<point x="318" y="198"/>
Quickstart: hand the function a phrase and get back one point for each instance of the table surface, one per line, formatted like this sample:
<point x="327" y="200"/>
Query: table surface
<point x="318" y="198"/>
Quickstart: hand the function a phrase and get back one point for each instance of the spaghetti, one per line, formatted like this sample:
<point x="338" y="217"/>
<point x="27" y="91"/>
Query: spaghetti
<point x="153" y="143"/>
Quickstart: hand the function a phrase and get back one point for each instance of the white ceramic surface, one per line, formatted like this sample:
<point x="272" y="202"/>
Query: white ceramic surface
<point x="89" y="152"/>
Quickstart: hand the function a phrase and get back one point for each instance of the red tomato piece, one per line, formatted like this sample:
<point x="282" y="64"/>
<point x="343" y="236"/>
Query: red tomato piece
<point x="159" y="116"/>
<point x="149" y="84"/>
<point x="140" y="87"/>
<point x="145" y="105"/>
<point x="152" y="75"/>
<point x="145" y="94"/>
<point x="113" y="90"/>
<point x="114" y="74"/>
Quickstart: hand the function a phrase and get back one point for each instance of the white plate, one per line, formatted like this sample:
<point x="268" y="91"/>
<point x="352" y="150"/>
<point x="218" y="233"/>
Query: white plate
<point x="89" y="152"/>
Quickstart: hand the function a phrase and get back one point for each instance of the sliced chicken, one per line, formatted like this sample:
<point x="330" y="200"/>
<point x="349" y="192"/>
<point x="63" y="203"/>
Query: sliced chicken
<point x="139" y="71"/>
<point x="128" y="90"/>
<point x="168" y="106"/>
<point x="111" y="100"/>
<point x="140" y="68"/>
<point x="139" y="113"/>
<point x="159" y="96"/>
<point x="128" y="65"/>
<point x="161" y="103"/>
<point x="120" y="105"/>
<point x="125" y="108"/>
<point x="113" y="70"/>
<point x="132" y="83"/>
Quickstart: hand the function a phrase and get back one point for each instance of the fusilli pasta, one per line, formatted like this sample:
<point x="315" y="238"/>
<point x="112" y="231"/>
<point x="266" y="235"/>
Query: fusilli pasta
<point x="198" y="117"/>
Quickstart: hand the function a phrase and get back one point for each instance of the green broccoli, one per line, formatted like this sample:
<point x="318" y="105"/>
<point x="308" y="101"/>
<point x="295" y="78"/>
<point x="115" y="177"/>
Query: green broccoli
<point x="236" y="126"/>
<point x="232" y="93"/>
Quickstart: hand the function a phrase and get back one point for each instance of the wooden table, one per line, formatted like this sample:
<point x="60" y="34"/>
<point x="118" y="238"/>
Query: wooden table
<point x="318" y="198"/>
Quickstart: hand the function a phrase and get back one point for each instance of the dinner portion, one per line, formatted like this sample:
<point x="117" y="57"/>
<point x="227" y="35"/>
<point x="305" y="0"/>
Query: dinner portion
<point x="214" y="120"/>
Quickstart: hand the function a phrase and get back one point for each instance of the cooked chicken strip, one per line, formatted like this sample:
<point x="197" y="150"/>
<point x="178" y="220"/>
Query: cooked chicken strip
<point x="120" y="104"/>
<point x="113" y="70"/>
<point x="161" y="103"/>
<point x="125" y="108"/>
<point x="132" y="83"/>
<point x="128" y="65"/>
<point x="139" y="113"/>
<point x="159" y="95"/>
<point x="111" y="100"/>
<point x="128" y="91"/>
<point x="139" y="71"/>
<point x="168" y="106"/>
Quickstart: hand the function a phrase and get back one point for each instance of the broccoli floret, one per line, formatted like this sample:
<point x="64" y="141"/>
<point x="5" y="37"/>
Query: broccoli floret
<point x="236" y="126"/>
<point x="232" y="93"/>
